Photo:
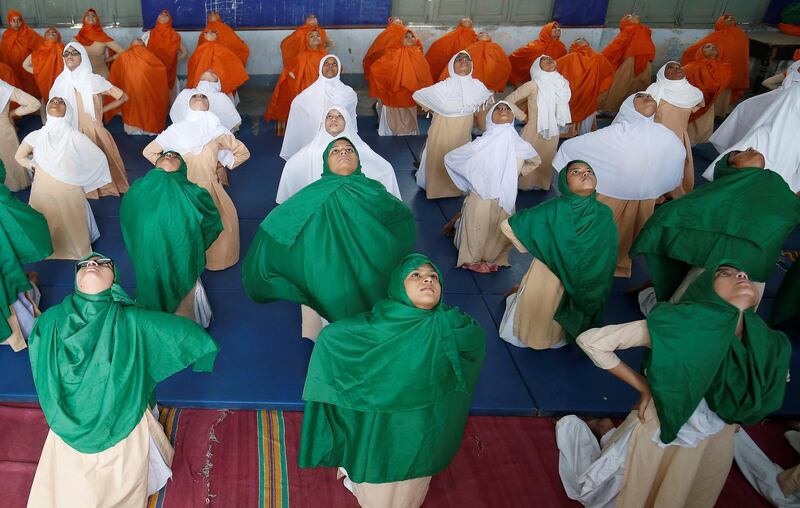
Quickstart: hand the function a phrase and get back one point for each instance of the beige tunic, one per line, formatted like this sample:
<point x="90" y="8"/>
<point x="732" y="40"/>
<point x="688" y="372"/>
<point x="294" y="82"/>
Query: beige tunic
<point x="539" y="296"/>
<point x="479" y="236"/>
<point x="202" y="170"/>
<point x="16" y="176"/>
<point x="722" y="104"/>
<point x="701" y="128"/>
<point x="630" y="217"/>
<point x="94" y="129"/>
<point x="97" y="55"/>
<point x="677" y="120"/>
<point x="403" y="494"/>
<point x="445" y="134"/>
<point x="17" y="340"/>
<point x="660" y="477"/>
<point x="402" y="121"/>
<point x="535" y="176"/>
<point x="625" y="84"/>
<point x="116" y="477"/>
<point x="64" y="207"/>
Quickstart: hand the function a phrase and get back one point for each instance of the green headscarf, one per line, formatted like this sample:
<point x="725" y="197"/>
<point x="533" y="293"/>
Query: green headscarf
<point x="744" y="214"/>
<point x="576" y="238"/>
<point x="388" y="391"/>
<point x="696" y="355"/>
<point x="787" y="301"/>
<point x="24" y="238"/>
<point x="96" y="360"/>
<point x="167" y="224"/>
<point x="331" y="246"/>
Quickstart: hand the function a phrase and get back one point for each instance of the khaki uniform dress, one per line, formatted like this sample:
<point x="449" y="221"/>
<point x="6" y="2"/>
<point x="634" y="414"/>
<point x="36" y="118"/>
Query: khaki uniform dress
<point x="625" y="84"/>
<point x="677" y="120"/>
<point x="630" y="217"/>
<point x="94" y="129"/>
<point x="445" y="134"/>
<point x="16" y="176"/>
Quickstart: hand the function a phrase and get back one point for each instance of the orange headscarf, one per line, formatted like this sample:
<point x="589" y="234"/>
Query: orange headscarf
<point x="443" y="49"/>
<point x="633" y="40"/>
<point x="796" y="55"/>
<point x="490" y="65"/>
<point x="390" y="38"/>
<point x="215" y="56"/>
<point x="91" y="33"/>
<point x="399" y="73"/>
<point x="165" y="43"/>
<point x="734" y="48"/>
<point x="15" y="47"/>
<point x="305" y="68"/>
<point x="228" y="38"/>
<point x="143" y="76"/>
<point x="589" y="74"/>
<point x="297" y="42"/>
<point x="47" y="63"/>
<point x="711" y="76"/>
<point x="522" y="58"/>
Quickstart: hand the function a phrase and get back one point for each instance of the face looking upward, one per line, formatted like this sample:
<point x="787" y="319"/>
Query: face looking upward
<point x="311" y="19"/>
<point x="169" y="161"/>
<point x="547" y="64"/>
<point x="466" y="23"/>
<point x="164" y="16"/>
<point x="644" y="104"/>
<point x="674" y="71"/>
<point x="16" y="23"/>
<point x="581" y="179"/>
<point x="423" y="287"/>
<point x="735" y="287"/>
<point x="710" y="51"/>
<point x="502" y="114"/>
<point x="210" y="35"/>
<point x="462" y="64"/>
<point x="72" y="58"/>
<point x="330" y="69"/>
<point x="409" y="39"/>
<point x="94" y="275"/>
<point x="484" y="36"/>
<point x="334" y="123"/>
<point x="314" y="39"/>
<point x="750" y="158"/>
<point x="633" y="18"/>
<point x="198" y="102"/>
<point x="209" y="76"/>
<point x="90" y="18"/>
<point x="342" y="159"/>
<point x="56" y="107"/>
<point x="51" y="34"/>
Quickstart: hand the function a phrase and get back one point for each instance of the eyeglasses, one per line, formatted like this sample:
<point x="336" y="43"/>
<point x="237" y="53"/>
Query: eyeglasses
<point x="170" y="155"/>
<point x="463" y="58"/>
<point x="71" y="53"/>
<point x="57" y="100"/>
<point x="106" y="262"/>
<point x="347" y="150"/>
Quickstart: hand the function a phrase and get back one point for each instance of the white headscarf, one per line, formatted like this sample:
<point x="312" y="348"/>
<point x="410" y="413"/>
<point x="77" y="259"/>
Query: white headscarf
<point x="67" y="155"/>
<point x="218" y="103"/>
<point x="774" y="134"/>
<point x="311" y="103"/>
<point x="552" y="100"/>
<point x="488" y="165"/>
<point x="634" y="158"/>
<point x="5" y="94"/>
<point x="305" y="166"/>
<point x="192" y="133"/>
<point x="678" y="92"/>
<point x="792" y="75"/>
<point x="743" y="116"/>
<point x="82" y="80"/>
<point x="454" y="96"/>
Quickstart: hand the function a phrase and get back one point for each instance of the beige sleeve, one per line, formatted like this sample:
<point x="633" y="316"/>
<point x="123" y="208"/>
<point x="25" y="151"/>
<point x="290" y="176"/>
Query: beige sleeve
<point x="521" y="94"/>
<point x="773" y="82"/>
<point x="22" y="154"/>
<point x="27" y="102"/>
<point x="601" y="343"/>
<point x="152" y="151"/>
<point x="28" y="64"/>
<point x="115" y="46"/>
<point x="115" y="92"/>
<point x="240" y="152"/>
<point x="505" y="228"/>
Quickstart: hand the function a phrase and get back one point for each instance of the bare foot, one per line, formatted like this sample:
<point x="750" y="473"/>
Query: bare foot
<point x="34" y="278"/>
<point x="785" y="482"/>
<point x="600" y="426"/>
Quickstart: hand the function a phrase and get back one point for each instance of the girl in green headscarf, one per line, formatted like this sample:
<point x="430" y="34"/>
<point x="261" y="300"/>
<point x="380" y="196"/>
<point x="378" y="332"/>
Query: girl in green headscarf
<point x="96" y="358"/>
<point x="167" y="224"/>
<point x="746" y="213"/>
<point x="573" y="240"/>
<point x="388" y="391"/>
<point x="332" y="245"/>
<point x="713" y="363"/>
<point x="24" y="238"/>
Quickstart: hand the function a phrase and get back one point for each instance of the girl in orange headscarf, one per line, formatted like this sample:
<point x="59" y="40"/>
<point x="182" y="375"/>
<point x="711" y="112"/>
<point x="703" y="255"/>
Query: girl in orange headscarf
<point x="166" y="44"/>
<point x="214" y="56"/>
<point x="392" y="37"/>
<point x="296" y="42"/>
<point x="547" y="43"/>
<point x="295" y="78"/>
<point x="46" y="62"/>
<point x="225" y="36"/>
<point x="631" y="54"/>
<point x="589" y="74"/>
<point x="443" y="49"/>
<point x="734" y="48"/>
<point x="143" y="76"/>
<point x="711" y="76"/>
<point x="96" y="42"/>
<point x="396" y="75"/>
<point x="489" y="63"/>
<point x="19" y="40"/>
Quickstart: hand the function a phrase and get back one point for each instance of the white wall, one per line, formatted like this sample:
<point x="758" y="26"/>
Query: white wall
<point x="352" y="44"/>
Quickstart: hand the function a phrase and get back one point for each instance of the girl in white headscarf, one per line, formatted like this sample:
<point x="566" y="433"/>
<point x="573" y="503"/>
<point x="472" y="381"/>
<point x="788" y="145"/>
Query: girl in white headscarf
<point x="677" y="99"/>
<point x="453" y="102"/>
<point x="487" y="169"/>
<point x="636" y="160"/>
<point x="66" y="167"/>
<point x="83" y="91"/>
<point x="309" y="106"/>
<point x="774" y="134"/>
<point x="199" y="138"/>
<point x="305" y="166"/>
<point x="16" y="176"/>
<point x="221" y="104"/>
<point x="547" y="95"/>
